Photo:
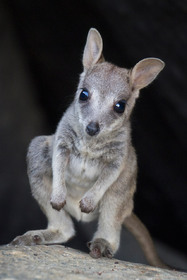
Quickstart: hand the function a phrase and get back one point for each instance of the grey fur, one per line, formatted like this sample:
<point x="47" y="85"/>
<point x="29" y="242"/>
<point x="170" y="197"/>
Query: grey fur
<point x="90" y="176"/>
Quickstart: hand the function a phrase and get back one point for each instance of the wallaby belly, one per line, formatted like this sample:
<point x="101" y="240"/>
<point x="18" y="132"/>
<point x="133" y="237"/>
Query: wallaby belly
<point x="81" y="174"/>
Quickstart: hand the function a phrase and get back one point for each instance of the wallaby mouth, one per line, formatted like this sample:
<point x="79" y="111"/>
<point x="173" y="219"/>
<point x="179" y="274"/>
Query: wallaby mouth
<point x="92" y="128"/>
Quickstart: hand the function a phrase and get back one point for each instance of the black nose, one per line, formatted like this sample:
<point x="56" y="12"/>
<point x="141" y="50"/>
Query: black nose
<point x="92" y="128"/>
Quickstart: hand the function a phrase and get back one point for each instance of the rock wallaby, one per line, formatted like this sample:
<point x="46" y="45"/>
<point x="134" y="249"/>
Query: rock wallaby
<point x="88" y="168"/>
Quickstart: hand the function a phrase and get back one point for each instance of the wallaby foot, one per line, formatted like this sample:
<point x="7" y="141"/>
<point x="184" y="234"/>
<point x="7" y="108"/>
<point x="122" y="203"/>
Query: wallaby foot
<point x="41" y="237"/>
<point x="100" y="248"/>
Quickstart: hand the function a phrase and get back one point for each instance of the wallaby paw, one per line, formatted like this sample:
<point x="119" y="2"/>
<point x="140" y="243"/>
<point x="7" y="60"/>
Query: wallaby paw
<point x="58" y="201"/>
<point x="57" y="205"/>
<point x="28" y="239"/>
<point x="100" y="248"/>
<point x="87" y="205"/>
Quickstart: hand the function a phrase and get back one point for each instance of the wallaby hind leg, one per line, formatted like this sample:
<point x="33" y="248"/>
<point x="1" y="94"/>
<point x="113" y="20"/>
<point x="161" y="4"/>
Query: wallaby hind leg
<point x="113" y="210"/>
<point x="60" y="226"/>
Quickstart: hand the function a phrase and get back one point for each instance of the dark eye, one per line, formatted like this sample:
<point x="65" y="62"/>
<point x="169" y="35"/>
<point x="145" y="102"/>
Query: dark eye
<point x="84" y="95"/>
<point x="119" y="107"/>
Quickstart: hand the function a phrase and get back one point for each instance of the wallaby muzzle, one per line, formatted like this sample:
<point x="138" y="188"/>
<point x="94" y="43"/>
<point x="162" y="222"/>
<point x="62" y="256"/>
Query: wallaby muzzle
<point x="92" y="128"/>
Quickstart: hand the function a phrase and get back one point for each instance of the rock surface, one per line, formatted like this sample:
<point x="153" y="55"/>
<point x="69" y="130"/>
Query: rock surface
<point x="59" y="262"/>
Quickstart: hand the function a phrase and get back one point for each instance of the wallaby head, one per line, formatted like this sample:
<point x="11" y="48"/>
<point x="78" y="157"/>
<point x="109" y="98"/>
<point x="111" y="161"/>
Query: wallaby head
<point x="106" y="93"/>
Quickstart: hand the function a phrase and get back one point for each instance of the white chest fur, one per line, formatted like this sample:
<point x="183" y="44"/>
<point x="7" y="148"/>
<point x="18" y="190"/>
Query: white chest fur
<point x="82" y="171"/>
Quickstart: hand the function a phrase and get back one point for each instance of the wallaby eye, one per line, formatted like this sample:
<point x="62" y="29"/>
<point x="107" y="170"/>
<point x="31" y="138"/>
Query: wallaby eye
<point x="119" y="107"/>
<point x="84" y="95"/>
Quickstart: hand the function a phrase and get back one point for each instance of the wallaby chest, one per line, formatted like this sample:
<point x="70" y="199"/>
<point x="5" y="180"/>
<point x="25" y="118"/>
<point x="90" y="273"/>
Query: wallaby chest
<point x="84" y="166"/>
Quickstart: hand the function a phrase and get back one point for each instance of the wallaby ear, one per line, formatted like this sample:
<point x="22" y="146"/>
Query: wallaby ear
<point x="93" y="49"/>
<point x="145" y="71"/>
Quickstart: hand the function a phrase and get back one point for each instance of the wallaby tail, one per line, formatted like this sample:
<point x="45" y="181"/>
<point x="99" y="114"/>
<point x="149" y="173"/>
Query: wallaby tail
<point x="142" y="235"/>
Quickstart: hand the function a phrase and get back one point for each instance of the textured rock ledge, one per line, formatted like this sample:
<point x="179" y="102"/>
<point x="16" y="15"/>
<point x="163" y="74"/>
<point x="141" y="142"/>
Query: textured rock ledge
<point x="58" y="262"/>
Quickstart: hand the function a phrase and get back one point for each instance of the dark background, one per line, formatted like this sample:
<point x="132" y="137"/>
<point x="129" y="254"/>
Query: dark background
<point x="41" y="46"/>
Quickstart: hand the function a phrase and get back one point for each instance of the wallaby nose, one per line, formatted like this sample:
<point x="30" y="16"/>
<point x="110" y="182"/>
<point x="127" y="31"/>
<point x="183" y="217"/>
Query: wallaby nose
<point x="92" y="128"/>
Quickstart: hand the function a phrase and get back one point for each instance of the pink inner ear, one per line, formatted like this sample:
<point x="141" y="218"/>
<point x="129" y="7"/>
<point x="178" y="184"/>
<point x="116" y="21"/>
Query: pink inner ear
<point x="93" y="49"/>
<point x="145" y="72"/>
